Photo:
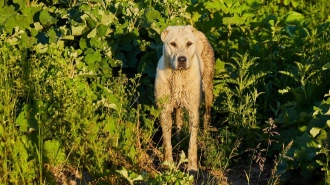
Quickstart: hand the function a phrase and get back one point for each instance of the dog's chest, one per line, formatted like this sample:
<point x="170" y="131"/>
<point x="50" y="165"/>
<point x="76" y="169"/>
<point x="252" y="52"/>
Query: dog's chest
<point x="183" y="89"/>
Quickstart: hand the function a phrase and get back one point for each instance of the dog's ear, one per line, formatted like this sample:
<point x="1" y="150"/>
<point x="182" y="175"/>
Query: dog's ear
<point x="164" y="33"/>
<point x="191" y="28"/>
<point x="195" y="32"/>
<point x="199" y="37"/>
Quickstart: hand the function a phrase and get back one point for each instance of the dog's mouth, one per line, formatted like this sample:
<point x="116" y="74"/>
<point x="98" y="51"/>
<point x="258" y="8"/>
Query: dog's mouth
<point x="182" y="63"/>
<point x="182" y="67"/>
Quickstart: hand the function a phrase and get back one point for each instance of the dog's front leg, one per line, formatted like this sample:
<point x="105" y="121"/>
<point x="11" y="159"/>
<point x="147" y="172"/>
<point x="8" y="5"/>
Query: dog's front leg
<point x="192" y="151"/>
<point x="166" y="124"/>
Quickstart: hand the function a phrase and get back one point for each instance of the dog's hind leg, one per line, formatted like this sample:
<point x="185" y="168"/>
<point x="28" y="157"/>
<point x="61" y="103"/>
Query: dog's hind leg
<point x="208" y="97"/>
<point x="179" y="122"/>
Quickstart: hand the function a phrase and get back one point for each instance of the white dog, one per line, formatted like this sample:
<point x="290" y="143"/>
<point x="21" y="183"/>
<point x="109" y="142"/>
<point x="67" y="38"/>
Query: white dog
<point x="184" y="72"/>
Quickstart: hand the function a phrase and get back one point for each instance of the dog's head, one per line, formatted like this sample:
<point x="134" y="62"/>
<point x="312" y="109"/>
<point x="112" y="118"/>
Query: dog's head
<point x="180" y="44"/>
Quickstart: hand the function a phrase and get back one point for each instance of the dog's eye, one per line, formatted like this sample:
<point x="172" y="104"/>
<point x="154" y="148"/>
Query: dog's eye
<point x="189" y="44"/>
<point x="173" y="44"/>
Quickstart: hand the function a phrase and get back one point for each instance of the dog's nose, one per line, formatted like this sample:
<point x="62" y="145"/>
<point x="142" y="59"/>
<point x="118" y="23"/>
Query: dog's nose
<point x="182" y="62"/>
<point x="182" y="59"/>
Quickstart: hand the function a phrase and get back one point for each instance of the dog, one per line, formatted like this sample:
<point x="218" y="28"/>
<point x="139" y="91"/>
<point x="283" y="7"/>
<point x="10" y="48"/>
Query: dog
<point x="184" y="74"/>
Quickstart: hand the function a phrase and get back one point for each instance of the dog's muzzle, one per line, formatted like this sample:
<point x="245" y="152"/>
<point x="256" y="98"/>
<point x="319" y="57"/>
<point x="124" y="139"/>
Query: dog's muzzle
<point x="182" y="62"/>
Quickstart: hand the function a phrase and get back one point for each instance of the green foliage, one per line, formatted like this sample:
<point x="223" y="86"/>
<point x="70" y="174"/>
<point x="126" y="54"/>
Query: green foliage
<point x="54" y="153"/>
<point x="130" y="177"/>
<point x="311" y="134"/>
<point x="76" y="86"/>
<point x="172" y="175"/>
<point x="241" y="93"/>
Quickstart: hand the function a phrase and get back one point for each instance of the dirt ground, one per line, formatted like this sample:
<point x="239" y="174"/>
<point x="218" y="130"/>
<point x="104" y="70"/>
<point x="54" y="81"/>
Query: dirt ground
<point x="233" y="176"/>
<point x="236" y="176"/>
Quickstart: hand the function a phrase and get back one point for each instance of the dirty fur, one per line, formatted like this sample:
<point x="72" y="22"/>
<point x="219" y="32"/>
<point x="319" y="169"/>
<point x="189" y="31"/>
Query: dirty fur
<point x="184" y="75"/>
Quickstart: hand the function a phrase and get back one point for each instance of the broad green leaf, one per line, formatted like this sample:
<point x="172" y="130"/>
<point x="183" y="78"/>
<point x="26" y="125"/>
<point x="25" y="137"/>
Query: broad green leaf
<point x="12" y="41"/>
<point x="26" y="118"/>
<point x="30" y="12"/>
<point x="219" y="66"/>
<point x="17" y="21"/>
<point x="53" y="152"/>
<point x="81" y="86"/>
<point x="84" y="7"/>
<point x="132" y="57"/>
<point x="21" y="3"/>
<point x="196" y="16"/>
<point x="41" y="48"/>
<point x="152" y="15"/>
<point x="306" y="141"/>
<point x="69" y="37"/>
<point x="111" y="106"/>
<point x="39" y="107"/>
<point x="295" y="3"/>
<point x="326" y="66"/>
<point x="90" y="23"/>
<point x="322" y="136"/>
<point x="45" y="18"/>
<point x="89" y="51"/>
<point x="106" y="69"/>
<point x="295" y="16"/>
<point x="92" y="33"/>
<point x="38" y="26"/>
<point x="123" y="172"/>
<point x="27" y="41"/>
<point x="77" y="30"/>
<point x="126" y="46"/>
<point x="92" y="58"/>
<point x="22" y="121"/>
<point x="112" y="99"/>
<point x="6" y="12"/>
<point x="128" y="133"/>
<point x="96" y="14"/>
<point x="102" y="30"/>
<point x="96" y="42"/>
<point x="314" y="131"/>
<point x="110" y="125"/>
<point x="233" y="20"/>
<point x="216" y="4"/>
<point x="145" y="66"/>
<point x="82" y="43"/>
<point x="138" y="178"/>
<point x="107" y="18"/>
<point x="20" y="151"/>
<point x="52" y="36"/>
<point x="303" y="128"/>
<point x="132" y="152"/>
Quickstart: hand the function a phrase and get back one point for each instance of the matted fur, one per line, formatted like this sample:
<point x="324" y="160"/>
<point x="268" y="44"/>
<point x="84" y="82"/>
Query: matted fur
<point x="184" y="72"/>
